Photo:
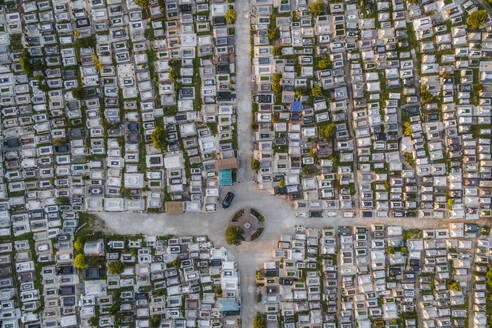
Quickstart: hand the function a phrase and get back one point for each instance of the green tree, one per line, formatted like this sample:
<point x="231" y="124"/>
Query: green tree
<point x="94" y="321"/>
<point x="316" y="91"/>
<point x="155" y="321"/>
<point x="25" y="62"/>
<point x="255" y="164"/>
<point x="79" y="93"/>
<point x="276" y="87"/>
<point x="78" y="245"/>
<point x="116" y="267"/>
<point x="234" y="235"/>
<point x="390" y="250"/>
<point x="425" y="95"/>
<point x="488" y="275"/>
<point x="159" y="137"/>
<point x="453" y="285"/>
<point x="63" y="200"/>
<point x="59" y="141"/>
<point x="277" y="50"/>
<point x="143" y="3"/>
<point x="318" y="7"/>
<point x="230" y="15"/>
<point x="477" y="19"/>
<point x="323" y="63"/>
<point x="327" y="131"/>
<point x="450" y="203"/>
<point x="281" y="183"/>
<point x="260" y="321"/>
<point x="79" y="261"/>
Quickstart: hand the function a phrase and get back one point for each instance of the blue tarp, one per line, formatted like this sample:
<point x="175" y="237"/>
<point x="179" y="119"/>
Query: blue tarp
<point x="225" y="178"/>
<point x="296" y="106"/>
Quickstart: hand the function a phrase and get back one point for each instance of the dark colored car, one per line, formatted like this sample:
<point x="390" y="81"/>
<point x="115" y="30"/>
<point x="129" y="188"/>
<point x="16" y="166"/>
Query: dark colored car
<point x="227" y="200"/>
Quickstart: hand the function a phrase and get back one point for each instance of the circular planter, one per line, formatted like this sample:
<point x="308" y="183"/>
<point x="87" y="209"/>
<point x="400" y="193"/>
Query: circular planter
<point x="250" y="221"/>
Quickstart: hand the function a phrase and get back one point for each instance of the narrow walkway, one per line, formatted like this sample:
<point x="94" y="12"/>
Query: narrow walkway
<point x="243" y="91"/>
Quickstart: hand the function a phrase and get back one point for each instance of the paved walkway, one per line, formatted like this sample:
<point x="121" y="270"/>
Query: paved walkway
<point x="243" y="91"/>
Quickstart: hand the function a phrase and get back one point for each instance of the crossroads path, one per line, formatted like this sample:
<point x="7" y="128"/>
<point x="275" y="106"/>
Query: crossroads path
<point x="279" y="218"/>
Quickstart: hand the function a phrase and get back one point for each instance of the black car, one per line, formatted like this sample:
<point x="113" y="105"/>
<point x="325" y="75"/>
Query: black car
<point x="227" y="200"/>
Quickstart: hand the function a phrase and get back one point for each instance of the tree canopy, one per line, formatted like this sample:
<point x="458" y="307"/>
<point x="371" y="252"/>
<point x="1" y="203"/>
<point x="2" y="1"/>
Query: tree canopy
<point x="260" y="321"/>
<point x="79" y="261"/>
<point x="323" y="63"/>
<point x="116" y="267"/>
<point x="327" y="131"/>
<point x="78" y="245"/>
<point x="159" y="138"/>
<point x="318" y="7"/>
<point x="234" y="235"/>
<point x="25" y="62"/>
<point x="477" y="19"/>
<point x="316" y="91"/>
<point x="230" y="15"/>
<point x="143" y="3"/>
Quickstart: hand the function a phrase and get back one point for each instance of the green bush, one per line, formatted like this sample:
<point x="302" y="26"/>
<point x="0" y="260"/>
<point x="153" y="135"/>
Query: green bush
<point x="477" y="19"/>
<point x="234" y="235"/>
<point x="116" y="267"/>
<point x="230" y="15"/>
<point x="25" y="62"/>
<point x="159" y="138"/>
<point x="260" y="321"/>
<point x="318" y="7"/>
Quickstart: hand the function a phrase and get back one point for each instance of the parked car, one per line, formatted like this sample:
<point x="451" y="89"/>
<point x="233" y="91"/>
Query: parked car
<point x="227" y="200"/>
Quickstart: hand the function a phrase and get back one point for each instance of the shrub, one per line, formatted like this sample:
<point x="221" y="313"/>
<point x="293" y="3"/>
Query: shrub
<point x="79" y="261"/>
<point x="234" y="235"/>
<point x="155" y="322"/>
<point x="116" y="267"/>
<point x="176" y="263"/>
<point x="323" y="63"/>
<point x="454" y="285"/>
<point x="79" y="93"/>
<point x="63" y="200"/>
<point x="143" y="3"/>
<point x="450" y="203"/>
<point x="94" y="321"/>
<point x="477" y="19"/>
<point x="257" y="215"/>
<point x="318" y="7"/>
<point x="276" y="88"/>
<point x="260" y="321"/>
<point x="230" y="15"/>
<point x="78" y="245"/>
<point x="159" y="137"/>
<point x="255" y="164"/>
<point x="237" y="215"/>
<point x="277" y="50"/>
<point x="327" y="131"/>
<point x="25" y="62"/>
<point x="316" y="91"/>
